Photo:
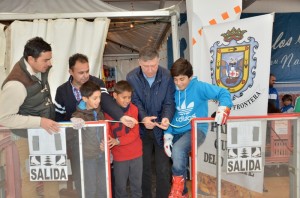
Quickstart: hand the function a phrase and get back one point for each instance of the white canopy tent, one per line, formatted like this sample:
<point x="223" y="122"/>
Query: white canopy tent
<point x="11" y="7"/>
<point x="70" y="26"/>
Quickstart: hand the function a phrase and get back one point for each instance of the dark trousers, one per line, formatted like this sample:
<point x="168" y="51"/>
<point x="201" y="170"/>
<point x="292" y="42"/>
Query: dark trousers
<point x="94" y="170"/>
<point x="75" y="163"/>
<point x="94" y="178"/>
<point x="162" y="166"/>
<point x="132" y="170"/>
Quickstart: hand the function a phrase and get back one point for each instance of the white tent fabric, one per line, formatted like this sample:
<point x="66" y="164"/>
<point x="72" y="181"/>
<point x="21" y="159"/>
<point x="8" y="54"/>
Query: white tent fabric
<point x="53" y="9"/>
<point x="66" y="36"/>
<point x="64" y="45"/>
<point x="55" y="6"/>
<point x="2" y="53"/>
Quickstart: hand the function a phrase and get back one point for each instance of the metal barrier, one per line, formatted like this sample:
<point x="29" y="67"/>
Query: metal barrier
<point x="253" y="151"/>
<point x="38" y="165"/>
<point x="217" y="171"/>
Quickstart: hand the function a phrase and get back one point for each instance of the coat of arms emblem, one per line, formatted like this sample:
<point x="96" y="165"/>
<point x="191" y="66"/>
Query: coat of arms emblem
<point x="233" y="63"/>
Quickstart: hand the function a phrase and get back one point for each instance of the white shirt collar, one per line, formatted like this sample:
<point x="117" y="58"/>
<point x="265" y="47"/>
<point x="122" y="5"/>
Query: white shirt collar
<point x="31" y="72"/>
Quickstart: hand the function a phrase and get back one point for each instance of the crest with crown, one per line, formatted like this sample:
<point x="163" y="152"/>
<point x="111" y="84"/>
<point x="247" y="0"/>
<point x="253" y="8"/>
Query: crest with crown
<point x="234" y="34"/>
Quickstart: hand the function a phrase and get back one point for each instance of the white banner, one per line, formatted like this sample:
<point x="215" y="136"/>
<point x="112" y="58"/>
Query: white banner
<point x="236" y="56"/>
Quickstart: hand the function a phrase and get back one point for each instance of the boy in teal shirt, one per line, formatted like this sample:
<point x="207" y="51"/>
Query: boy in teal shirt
<point x="191" y="99"/>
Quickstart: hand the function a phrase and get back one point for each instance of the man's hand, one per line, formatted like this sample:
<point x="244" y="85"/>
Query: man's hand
<point x="128" y="121"/>
<point x="149" y="122"/>
<point x="221" y="115"/>
<point x="78" y="123"/>
<point x="49" y="125"/>
<point x="168" y="143"/>
<point x="164" y="124"/>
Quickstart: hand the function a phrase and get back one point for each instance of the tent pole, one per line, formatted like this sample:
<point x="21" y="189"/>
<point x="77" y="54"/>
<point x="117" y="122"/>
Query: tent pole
<point x="175" y="41"/>
<point x="85" y="15"/>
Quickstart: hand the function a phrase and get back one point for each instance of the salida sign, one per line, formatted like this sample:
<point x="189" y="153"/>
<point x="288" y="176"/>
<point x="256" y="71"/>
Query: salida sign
<point x="48" y="168"/>
<point x="48" y="174"/>
<point x="244" y="159"/>
<point x="243" y="165"/>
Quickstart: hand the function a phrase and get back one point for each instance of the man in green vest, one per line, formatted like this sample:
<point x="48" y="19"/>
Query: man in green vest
<point x="25" y="102"/>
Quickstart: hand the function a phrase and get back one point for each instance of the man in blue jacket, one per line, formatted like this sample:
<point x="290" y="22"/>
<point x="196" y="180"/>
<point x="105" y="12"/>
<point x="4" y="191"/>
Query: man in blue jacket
<point x="154" y="96"/>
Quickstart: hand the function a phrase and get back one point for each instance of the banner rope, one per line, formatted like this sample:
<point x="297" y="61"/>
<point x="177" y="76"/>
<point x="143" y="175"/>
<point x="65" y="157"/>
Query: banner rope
<point x="172" y="125"/>
<point x="115" y="121"/>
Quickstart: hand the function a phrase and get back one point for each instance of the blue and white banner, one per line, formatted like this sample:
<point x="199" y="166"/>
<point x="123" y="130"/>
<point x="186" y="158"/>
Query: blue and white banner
<point x="285" y="58"/>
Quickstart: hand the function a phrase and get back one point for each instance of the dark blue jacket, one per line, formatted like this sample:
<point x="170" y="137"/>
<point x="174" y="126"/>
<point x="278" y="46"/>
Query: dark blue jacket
<point x="155" y="101"/>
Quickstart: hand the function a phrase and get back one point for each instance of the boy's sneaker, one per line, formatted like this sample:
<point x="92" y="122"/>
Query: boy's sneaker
<point x="177" y="187"/>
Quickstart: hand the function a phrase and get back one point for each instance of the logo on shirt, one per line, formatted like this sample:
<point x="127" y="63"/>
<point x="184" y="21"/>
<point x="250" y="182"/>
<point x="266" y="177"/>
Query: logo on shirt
<point x="184" y="112"/>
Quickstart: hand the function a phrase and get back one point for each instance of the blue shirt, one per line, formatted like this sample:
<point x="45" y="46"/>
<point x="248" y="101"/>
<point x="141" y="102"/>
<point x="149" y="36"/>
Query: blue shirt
<point x="193" y="103"/>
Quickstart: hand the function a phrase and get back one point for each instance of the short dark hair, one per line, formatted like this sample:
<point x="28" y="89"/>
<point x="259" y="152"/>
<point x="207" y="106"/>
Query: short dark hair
<point x="34" y="47"/>
<point x="182" y="67"/>
<point x="122" y="86"/>
<point x="148" y="53"/>
<point x="286" y="97"/>
<point x="88" y="88"/>
<point x="77" y="57"/>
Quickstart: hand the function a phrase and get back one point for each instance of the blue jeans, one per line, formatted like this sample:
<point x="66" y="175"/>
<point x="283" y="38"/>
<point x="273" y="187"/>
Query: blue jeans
<point x="94" y="178"/>
<point x="180" y="153"/>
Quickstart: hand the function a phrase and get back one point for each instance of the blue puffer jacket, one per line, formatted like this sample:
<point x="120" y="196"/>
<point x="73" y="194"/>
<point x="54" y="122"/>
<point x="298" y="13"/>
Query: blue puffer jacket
<point x="155" y="101"/>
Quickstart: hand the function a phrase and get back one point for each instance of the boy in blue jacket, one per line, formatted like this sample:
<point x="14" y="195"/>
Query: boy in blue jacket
<point x="89" y="109"/>
<point x="287" y="101"/>
<point x="191" y="99"/>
